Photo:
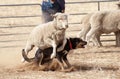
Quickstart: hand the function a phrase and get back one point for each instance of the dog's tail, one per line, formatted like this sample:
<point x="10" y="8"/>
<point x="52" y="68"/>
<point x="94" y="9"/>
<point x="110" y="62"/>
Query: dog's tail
<point x="25" y="56"/>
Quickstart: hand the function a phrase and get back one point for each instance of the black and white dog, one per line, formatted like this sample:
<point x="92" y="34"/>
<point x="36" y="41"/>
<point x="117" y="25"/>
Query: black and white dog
<point x="43" y="56"/>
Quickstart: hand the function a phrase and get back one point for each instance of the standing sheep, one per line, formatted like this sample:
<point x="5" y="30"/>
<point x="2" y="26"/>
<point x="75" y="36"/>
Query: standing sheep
<point x="85" y="22"/>
<point x="43" y="36"/>
<point x="99" y="23"/>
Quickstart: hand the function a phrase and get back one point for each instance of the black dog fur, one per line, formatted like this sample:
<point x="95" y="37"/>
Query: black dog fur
<point x="43" y="56"/>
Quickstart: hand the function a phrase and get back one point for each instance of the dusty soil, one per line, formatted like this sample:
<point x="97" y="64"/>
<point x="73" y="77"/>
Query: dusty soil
<point x="90" y="62"/>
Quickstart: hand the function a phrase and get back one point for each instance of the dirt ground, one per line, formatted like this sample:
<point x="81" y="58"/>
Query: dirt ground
<point x="91" y="63"/>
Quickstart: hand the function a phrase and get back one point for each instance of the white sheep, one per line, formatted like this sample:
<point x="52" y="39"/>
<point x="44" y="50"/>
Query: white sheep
<point x="44" y="35"/>
<point x="99" y="23"/>
<point x="85" y="23"/>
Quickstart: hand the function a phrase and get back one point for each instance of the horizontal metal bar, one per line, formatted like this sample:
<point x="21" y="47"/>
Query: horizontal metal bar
<point x="29" y="16"/>
<point x="17" y="26"/>
<point x="74" y="23"/>
<point x="91" y="1"/>
<point x="107" y="40"/>
<point x="8" y="5"/>
<point x="34" y="4"/>
<point x="28" y="33"/>
<point x="78" y="13"/>
<point x="4" y="41"/>
<point x="25" y="16"/>
<point x="14" y="26"/>
<point x="108" y="35"/>
<point x="13" y="34"/>
<point x="11" y="46"/>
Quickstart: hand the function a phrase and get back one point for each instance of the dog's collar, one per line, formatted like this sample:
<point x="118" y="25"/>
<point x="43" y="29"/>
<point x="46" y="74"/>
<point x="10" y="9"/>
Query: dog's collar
<point x="70" y="44"/>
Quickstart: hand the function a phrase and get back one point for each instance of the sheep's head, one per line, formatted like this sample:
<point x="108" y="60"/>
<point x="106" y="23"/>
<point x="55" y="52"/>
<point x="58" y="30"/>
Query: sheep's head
<point x="61" y="20"/>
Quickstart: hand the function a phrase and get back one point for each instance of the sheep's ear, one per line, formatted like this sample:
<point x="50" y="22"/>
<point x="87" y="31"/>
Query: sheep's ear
<point x="55" y="15"/>
<point x="52" y="15"/>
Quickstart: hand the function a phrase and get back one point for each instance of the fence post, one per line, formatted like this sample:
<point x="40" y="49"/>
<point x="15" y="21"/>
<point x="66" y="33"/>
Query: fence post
<point x="117" y="38"/>
<point x="98" y="6"/>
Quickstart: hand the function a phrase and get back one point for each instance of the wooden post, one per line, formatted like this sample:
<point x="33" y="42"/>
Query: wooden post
<point x="117" y="38"/>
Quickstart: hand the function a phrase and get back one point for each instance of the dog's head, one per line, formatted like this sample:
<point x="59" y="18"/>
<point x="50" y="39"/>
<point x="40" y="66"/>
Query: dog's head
<point x="77" y="43"/>
<point x="61" y="20"/>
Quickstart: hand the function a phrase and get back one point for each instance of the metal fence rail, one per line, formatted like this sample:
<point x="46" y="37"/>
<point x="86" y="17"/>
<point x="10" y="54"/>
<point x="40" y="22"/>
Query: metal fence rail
<point x="78" y="2"/>
<point x="28" y="16"/>
<point x="37" y="4"/>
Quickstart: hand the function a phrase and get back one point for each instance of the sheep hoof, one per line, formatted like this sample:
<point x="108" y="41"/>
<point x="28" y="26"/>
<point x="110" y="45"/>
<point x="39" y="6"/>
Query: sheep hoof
<point x="52" y="56"/>
<point x="22" y="60"/>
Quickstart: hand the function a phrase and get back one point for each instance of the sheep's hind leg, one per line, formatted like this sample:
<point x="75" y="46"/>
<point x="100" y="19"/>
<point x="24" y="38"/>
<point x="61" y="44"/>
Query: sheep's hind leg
<point x="26" y="50"/>
<point x="54" y="50"/>
<point x="84" y="31"/>
<point x="53" y="44"/>
<point x="96" y="40"/>
<point x="91" y="33"/>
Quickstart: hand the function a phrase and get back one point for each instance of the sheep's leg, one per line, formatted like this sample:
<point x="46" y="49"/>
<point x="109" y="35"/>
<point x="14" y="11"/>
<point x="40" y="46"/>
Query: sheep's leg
<point x="91" y="33"/>
<point x="96" y="40"/>
<point x="93" y="39"/>
<point x="63" y="45"/>
<point x="54" y="49"/>
<point x="53" y="44"/>
<point x="27" y="49"/>
<point x="84" y="31"/>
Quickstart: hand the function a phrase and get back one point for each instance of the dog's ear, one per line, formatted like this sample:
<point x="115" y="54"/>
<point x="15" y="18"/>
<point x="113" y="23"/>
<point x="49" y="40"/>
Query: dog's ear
<point x="71" y="39"/>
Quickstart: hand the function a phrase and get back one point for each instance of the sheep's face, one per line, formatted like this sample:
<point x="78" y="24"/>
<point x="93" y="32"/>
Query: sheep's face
<point x="62" y="20"/>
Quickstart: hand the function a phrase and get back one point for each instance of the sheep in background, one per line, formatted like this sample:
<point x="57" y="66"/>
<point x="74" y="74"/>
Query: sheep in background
<point x="85" y="22"/>
<point x="98" y="23"/>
